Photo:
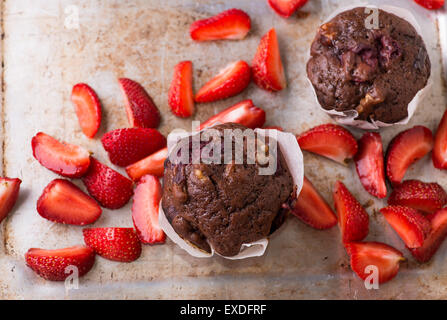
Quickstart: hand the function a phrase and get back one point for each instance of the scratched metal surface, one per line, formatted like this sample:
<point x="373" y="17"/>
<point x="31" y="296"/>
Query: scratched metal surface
<point x="143" y="40"/>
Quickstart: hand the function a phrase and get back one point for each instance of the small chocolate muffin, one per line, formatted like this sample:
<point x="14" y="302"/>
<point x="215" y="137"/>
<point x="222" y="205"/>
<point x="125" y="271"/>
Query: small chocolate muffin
<point x="224" y="205"/>
<point x="376" y="72"/>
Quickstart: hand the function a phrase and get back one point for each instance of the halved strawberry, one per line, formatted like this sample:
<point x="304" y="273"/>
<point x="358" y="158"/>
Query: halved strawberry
<point x="9" y="192"/>
<point x="111" y="189"/>
<point x="117" y="244"/>
<point x="352" y="217"/>
<point x="431" y="4"/>
<point x="439" y="155"/>
<point x="380" y="255"/>
<point x="88" y="108"/>
<point x="63" y="202"/>
<point x="268" y="71"/>
<point x="58" y="264"/>
<point x="405" y="149"/>
<point x="141" y="110"/>
<point x="244" y="112"/>
<point x="180" y="96"/>
<point x="230" y="81"/>
<point x="411" y="226"/>
<point x="129" y="145"/>
<point x="153" y="164"/>
<point x="329" y="140"/>
<point x="145" y="210"/>
<point x="286" y="8"/>
<point x="427" y="197"/>
<point x="62" y="158"/>
<point x="231" y="24"/>
<point x="369" y="164"/>
<point x="312" y="209"/>
<point x="438" y="222"/>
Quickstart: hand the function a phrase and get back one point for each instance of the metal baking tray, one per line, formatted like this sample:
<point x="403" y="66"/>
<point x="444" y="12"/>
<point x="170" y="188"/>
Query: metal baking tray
<point x="47" y="46"/>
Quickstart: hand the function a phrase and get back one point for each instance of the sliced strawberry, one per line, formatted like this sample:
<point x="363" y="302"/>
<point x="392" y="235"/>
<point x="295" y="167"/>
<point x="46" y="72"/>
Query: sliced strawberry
<point x="439" y="155"/>
<point x="145" y="210"/>
<point x="268" y="71"/>
<point x="62" y="158"/>
<point x="63" y="202"/>
<point x="111" y="189"/>
<point x="427" y="197"/>
<point x="232" y="24"/>
<point x="244" y="113"/>
<point x="129" y="145"/>
<point x="411" y="226"/>
<point x="331" y="141"/>
<point x="230" y="81"/>
<point x="405" y="149"/>
<point x="431" y="4"/>
<point x="88" y="108"/>
<point x="438" y="222"/>
<point x="180" y="96"/>
<point x="57" y="265"/>
<point x="369" y="164"/>
<point x="352" y="217"/>
<point x="380" y="255"/>
<point x="153" y="164"/>
<point x="141" y="110"/>
<point x="312" y="209"/>
<point x="9" y="192"/>
<point x="286" y="8"/>
<point x="117" y="244"/>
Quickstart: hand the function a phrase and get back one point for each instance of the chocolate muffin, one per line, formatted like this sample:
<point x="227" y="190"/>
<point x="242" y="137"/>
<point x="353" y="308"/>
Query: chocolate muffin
<point x="222" y="205"/>
<point x="375" y="71"/>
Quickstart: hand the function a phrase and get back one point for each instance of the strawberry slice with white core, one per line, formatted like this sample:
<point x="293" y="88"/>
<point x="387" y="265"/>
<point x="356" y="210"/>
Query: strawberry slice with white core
<point x="62" y="158"/>
<point x="331" y="141"/>
<point x="116" y="244"/>
<point x="88" y="108"/>
<point x="58" y="264"/>
<point x="438" y="222"/>
<point x="369" y="164"/>
<point x="431" y="4"/>
<point x="411" y="226"/>
<point x="230" y="81"/>
<point x="63" y="202"/>
<point x="367" y="255"/>
<point x="244" y="113"/>
<point x="140" y="108"/>
<point x="9" y="192"/>
<point x="312" y="209"/>
<point x="406" y="148"/>
<point x="439" y="155"/>
<point x="180" y="95"/>
<point x="427" y="197"/>
<point x="352" y="217"/>
<point x="153" y="164"/>
<point x="233" y="24"/>
<point x="286" y="8"/>
<point x="268" y="71"/>
<point x="145" y="210"/>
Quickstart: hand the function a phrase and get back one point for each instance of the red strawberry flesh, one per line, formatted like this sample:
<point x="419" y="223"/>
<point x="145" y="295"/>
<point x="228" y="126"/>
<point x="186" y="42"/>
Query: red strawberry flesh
<point x="9" y="192"/>
<point x="180" y="95"/>
<point x="153" y="164"/>
<point x="62" y="158"/>
<point x="439" y="155"/>
<point x="286" y="8"/>
<point x="88" y="108"/>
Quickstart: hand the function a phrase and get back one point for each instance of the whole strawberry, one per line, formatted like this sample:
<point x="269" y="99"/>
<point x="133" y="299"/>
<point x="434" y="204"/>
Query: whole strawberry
<point x="127" y="146"/>
<point x="110" y="188"/>
<point x="117" y="244"/>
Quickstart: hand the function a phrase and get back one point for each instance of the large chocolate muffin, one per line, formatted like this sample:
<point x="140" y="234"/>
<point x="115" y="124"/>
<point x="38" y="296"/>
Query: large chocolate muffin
<point x="374" y="71"/>
<point x="224" y="205"/>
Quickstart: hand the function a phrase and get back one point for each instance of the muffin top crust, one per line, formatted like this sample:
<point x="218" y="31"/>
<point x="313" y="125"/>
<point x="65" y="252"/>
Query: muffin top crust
<point x="375" y="71"/>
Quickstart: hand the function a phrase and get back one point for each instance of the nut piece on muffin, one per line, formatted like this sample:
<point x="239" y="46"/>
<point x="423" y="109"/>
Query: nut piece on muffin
<point x="225" y="204"/>
<point x="374" y="71"/>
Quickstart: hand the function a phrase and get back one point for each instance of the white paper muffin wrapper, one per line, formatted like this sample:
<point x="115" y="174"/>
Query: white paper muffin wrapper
<point x="348" y="117"/>
<point x="294" y="158"/>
